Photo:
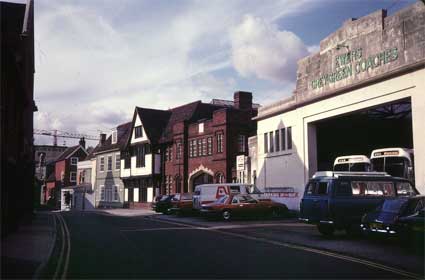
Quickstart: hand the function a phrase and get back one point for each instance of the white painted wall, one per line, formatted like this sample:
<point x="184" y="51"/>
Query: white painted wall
<point x="141" y="139"/>
<point x="291" y="168"/>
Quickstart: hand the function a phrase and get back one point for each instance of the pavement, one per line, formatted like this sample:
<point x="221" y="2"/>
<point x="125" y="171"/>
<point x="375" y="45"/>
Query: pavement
<point x="26" y="251"/>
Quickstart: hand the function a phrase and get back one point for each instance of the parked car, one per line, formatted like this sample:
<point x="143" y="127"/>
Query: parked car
<point x="402" y="217"/>
<point x="208" y="193"/>
<point x="164" y="204"/>
<point x="182" y="204"/>
<point x="242" y="205"/>
<point x="338" y="200"/>
<point x="155" y="200"/>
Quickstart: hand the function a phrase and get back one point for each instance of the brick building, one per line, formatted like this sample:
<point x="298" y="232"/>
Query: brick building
<point x="174" y="150"/>
<point x="204" y="149"/>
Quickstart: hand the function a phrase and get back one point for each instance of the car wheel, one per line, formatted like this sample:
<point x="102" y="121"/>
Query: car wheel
<point x="326" y="230"/>
<point x="226" y="214"/>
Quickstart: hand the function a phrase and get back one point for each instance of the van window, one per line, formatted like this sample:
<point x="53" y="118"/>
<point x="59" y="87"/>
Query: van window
<point x="322" y="189"/>
<point x="310" y="188"/>
<point x="197" y="192"/>
<point x="234" y="189"/>
<point x="372" y="188"/>
<point x="343" y="189"/>
<point x="404" y="188"/>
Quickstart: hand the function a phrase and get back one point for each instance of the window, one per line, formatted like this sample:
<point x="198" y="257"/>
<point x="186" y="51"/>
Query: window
<point x="190" y="148"/>
<point x="204" y="146"/>
<point x="277" y="140"/>
<point x="136" y="195"/>
<point x="289" y="132"/>
<point x="199" y="147"/>
<point x="179" y="150"/>
<point x="266" y="143"/>
<point x="102" y="193"/>
<point x="195" y="148"/>
<point x="282" y="139"/>
<point x="74" y="161"/>
<point x="271" y="142"/>
<point x="138" y="131"/>
<point x="201" y="128"/>
<point x="343" y="189"/>
<point x="126" y="194"/>
<point x="114" y="137"/>
<point x="310" y="188"/>
<point x="220" y="143"/>
<point x="116" y="195"/>
<point x="109" y="163"/>
<point x="241" y="143"/>
<point x="374" y="188"/>
<point x="117" y="161"/>
<point x="140" y="155"/>
<point x="170" y="153"/>
<point x="127" y="159"/>
<point x="82" y="178"/>
<point x="209" y="139"/>
<point x="404" y="188"/>
<point x="73" y="176"/>
<point x="322" y="188"/>
<point x="102" y="164"/>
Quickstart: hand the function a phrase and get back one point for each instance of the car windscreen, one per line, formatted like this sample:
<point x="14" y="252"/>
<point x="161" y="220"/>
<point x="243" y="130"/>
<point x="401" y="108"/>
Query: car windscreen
<point x="164" y="197"/>
<point x="395" y="166"/>
<point x="393" y="205"/>
<point x="378" y="164"/>
<point x="359" y="166"/>
<point x="222" y="199"/>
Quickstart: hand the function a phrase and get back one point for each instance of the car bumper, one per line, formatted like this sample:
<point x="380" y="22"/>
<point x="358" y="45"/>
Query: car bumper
<point x="381" y="229"/>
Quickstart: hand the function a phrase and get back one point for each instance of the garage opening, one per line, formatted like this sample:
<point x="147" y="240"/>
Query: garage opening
<point x="358" y="133"/>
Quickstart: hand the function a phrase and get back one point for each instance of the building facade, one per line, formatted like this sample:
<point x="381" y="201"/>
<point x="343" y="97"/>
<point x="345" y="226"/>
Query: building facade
<point x="17" y="113"/>
<point x="362" y="91"/>
<point x="108" y="186"/>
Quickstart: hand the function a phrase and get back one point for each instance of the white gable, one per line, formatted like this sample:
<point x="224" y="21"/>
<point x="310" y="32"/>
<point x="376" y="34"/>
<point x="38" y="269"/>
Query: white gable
<point x="144" y="138"/>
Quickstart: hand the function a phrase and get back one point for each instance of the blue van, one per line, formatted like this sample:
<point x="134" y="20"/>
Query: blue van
<point x="338" y="200"/>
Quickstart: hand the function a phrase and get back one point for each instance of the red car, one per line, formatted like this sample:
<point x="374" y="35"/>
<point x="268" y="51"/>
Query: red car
<point x="182" y="204"/>
<point x="242" y="205"/>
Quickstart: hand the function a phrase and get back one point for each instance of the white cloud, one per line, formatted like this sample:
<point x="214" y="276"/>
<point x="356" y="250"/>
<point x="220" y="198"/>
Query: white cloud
<point x="96" y="60"/>
<point x="259" y="48"/>
<point x="313" y="48"/>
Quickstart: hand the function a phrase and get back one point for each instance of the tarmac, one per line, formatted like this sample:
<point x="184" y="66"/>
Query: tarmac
<point x="26" y="251"/>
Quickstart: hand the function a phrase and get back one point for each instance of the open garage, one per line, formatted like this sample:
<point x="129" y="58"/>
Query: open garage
<point x="384" y="126"/>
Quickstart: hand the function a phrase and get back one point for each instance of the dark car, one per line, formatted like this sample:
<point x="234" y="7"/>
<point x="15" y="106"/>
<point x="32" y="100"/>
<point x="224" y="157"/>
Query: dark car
<point x="403" y="217"/>
<point x="239" y="205"/>
<point x="338" y="200"/>
<point x="164" y="204"/>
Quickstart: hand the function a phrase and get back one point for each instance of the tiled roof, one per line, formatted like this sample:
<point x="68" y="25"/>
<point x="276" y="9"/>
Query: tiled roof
<point x="67" y="152"/>
<point x="154" y="122"/>
<point x="123" y="132"/>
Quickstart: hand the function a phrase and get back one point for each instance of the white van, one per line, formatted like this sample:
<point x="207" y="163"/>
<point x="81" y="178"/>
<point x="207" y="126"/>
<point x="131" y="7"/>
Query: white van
<point x="208" y="193"/>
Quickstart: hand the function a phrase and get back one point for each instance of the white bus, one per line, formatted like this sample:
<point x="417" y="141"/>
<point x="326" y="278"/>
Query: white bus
<point x="397" y="162"/>
<point x="352" y="163"/>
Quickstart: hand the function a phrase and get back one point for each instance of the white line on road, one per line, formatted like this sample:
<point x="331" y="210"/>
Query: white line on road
<point x="307" y="249"/>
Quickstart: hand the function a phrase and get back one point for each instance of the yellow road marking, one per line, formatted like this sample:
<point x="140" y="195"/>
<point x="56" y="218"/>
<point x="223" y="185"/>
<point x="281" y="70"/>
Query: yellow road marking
<point x="308" y="249"/>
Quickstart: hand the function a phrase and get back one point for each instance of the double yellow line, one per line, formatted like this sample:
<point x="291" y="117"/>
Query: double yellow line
<point x="63" y="261"/>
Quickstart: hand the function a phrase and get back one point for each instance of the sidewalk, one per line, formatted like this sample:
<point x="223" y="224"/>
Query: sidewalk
<point x="23" y="253"/>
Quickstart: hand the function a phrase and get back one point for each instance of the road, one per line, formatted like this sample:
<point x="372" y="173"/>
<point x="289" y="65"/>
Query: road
<point x="106" y="246"/>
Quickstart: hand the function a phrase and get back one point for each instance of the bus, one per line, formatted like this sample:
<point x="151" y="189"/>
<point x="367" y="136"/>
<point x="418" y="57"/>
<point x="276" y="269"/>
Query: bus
<point x="352" y="163"/>
<point x="397" y="162"/>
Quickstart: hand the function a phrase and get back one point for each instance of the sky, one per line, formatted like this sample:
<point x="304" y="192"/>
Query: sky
<point x="96" y="60"/>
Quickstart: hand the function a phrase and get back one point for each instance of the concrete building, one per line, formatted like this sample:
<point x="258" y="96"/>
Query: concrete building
<point x="108" y="186"/>
<point x="17" y="113"/>
<point x="362" y="91"/>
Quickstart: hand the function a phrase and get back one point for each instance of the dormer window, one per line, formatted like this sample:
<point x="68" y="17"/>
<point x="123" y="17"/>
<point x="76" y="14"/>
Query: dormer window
<point x="201" y="127"/>
<point x="138" y="131"/>
<point x="114" y="137"/>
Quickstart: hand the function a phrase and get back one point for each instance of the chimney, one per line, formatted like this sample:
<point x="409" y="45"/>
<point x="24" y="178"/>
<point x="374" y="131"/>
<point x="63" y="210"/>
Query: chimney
<point x="82" y="142"/>
<point x="243" y="100"/>
<point x="102" y="139"/>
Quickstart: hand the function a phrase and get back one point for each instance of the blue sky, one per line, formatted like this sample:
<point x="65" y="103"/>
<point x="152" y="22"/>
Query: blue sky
<point x="96" y="60"/>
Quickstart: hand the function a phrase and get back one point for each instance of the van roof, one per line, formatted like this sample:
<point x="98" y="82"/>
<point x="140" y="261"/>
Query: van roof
<point x="338" y="174"/>
<point x="223" y="184"/>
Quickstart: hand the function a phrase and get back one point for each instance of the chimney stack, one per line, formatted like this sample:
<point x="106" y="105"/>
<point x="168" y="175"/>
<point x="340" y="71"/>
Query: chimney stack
<point x="243" y="100"/>
<point x="82" y="142"/>
<point x="102" y="139"/>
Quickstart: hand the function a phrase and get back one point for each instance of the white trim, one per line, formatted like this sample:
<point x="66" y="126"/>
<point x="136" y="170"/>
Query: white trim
<point x="76" y="149"/>
<point x="72" y="159"/>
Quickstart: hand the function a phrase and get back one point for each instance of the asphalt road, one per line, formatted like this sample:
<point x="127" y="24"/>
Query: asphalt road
<point x="102" y="246"/>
